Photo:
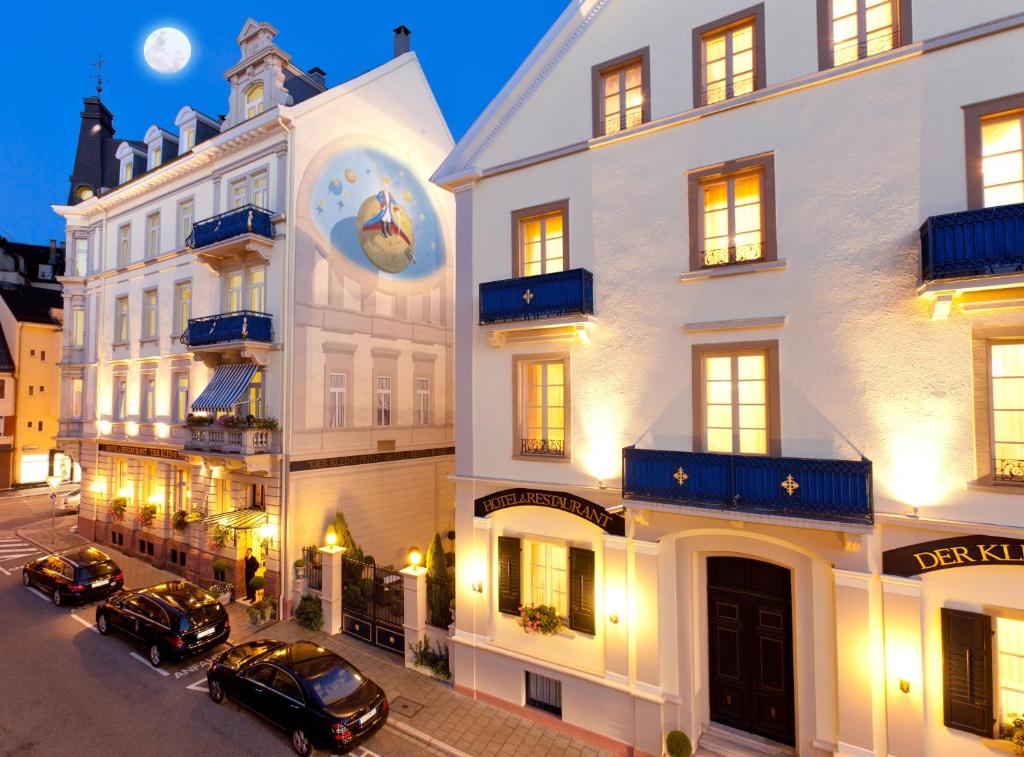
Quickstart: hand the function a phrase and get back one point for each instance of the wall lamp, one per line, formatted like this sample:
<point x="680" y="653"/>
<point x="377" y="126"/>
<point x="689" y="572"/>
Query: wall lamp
<point x="904" y="685"/>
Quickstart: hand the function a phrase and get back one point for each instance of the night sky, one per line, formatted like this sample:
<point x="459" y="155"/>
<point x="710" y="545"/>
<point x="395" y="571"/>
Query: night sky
<point x="469" y="49"/>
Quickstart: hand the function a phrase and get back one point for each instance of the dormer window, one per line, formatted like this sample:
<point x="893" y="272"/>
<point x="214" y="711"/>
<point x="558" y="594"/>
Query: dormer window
<point x="154" y="157"/>
<point x="193" y="128"/>
<point x="126" y="171"/>
<point x="188" y="137"/>
<point x="132" y="159"/>
<point x="254" y="100"/>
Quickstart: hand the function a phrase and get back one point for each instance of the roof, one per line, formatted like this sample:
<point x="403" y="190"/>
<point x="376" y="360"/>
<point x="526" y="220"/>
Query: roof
<point x="179" y="594"/>
<point x="32" y="304"/>
<point x="85" y="556"/>
<point x="6" y="361"/>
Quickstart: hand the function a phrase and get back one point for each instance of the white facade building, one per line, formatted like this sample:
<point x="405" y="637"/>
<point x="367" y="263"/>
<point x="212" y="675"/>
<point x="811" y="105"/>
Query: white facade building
<point x="753" y="436"/>
<point x="240" y="311"/>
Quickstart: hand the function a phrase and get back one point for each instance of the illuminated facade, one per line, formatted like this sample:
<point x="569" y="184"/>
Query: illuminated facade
<point x="254" y="338"/>
<point x="743" y="404"/>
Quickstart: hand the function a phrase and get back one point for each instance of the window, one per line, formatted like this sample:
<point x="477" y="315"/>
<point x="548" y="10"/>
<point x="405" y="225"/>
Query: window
<point x="31" y="390"/>
<point x="383" y="415"/>
<point x="423" y="401"/>
<point x="1006" y="393"/>
<point x="728" y="57"/>
<point x="149" y="314"/>
<point x="42" y="356"/>
<point x="77" y="327"/>
<point x="124" y="245"/>
<point x="152" y="235"/>
<point x="540" y="239"/>
<point x="120" y="476"/>
<point x="258" y="290"/>
<point x="76" y="398"/>
<point x="188" y="139"/>
<point x="186" y="217"/>
<point x="120" y="399"/>
<point x="254" y="100"/>
<point x="732" y="213"/>
<point x="234" y="295"/>
<point x="995" y="151"/>
<point x="337" y="387"/>
<point x="736" y="408"/>
<point x="121" y="320"/>
<point x="147" y="404"/>
<point x="543" y="401"/>
<point x="621" y="96"/>
<point x="182" y="306"/>
<point x="155" y="155"/>
<point x="181" y="381"/>
<point x="547" y="582"/>
<point x="1010" y="665"/>
<point x="544" y="693"/>
<point x="260" y="193"/>
<point x="3" y="389"/>
<point x="239" y="194"/>
<point x="81" y="256"/>
<point x="849" y="30"/>
<point x="126" y="170"/>
<point x="252" y="402"/>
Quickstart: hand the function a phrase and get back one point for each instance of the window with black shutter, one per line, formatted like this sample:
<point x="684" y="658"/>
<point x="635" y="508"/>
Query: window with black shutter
<point x="581" y="590"/>
<point x="509" y="575"/>
<point x="967" y="671"/>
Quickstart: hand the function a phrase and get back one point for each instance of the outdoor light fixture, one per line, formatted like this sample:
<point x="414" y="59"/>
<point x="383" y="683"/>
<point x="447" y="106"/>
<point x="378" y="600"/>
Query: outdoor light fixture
<point x="125" y="491"/>
<point x="477" y="586"/>
<point x="98" y="488"/>
<point x="904" y="685"/>
<point x="267" y="533"/>
<point x="155" y="499"/>
<point x="331" y="538"/>
<point x="414" y="557"/>
<point x="613" y="617"/>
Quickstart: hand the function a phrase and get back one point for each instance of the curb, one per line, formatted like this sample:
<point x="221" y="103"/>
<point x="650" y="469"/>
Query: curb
<point x="418" y="735"/>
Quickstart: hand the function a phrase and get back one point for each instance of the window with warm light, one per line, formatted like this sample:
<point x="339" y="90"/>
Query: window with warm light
<point x="234" y="292"/>
<point x="77" y="327"/>
<point x="423" y="401"/>
<point x="124" y="245"/>
<point x="736" y="403"/>
<point x="182" y="306"/>
<point x="862" y="28"/>
<point x="181" y="397"/>
<point x="1007" y="403"/>
<point x="76" y="398"/>
<point x="731" y="219"/>
<point x="258" y="290"/>
<point x="120" y="399"/>
<point x="542" y="407"/>
<point x="152" y="235"/>
<point x="1002" y="159"/>
<point x="188" y="140"/>
<point x="1010" y="668"/>
<point x="147" y="401"/>
<point x="383" y="404"/>
<point x="126" y="170"/>
<point x="81" y="256"/>
<point x="254" y="100"/>
<point x="121" y="320"/>
<point x="337" y="392"/>
<point x="542" y="243"/>
<point x="260" y="191"/>
<point x="728" y="62"/>
<point x="252" y="403"/>
<point x="186" y="218"/>
<point x="239" y="193"/>
<point x="150" y="479"/>
<point x="621" y="93"/>
<point x="547" y="581"/>
<point x="155" y="156"/>
<point x="149" y="314"/>
<point x="121" y="480"/>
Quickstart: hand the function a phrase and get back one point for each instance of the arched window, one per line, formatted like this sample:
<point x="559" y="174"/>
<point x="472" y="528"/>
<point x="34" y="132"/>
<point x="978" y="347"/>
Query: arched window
<point x="254" y="100"/>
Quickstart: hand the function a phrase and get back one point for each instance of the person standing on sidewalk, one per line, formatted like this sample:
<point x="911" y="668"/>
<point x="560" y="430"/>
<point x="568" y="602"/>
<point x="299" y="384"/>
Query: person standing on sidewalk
<point x="251" y="566"/>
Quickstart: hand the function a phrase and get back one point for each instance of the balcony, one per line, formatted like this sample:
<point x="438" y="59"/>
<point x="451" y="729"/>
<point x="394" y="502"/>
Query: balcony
<point x="230" y="337"/>
<point x="234" y="237"/>
<point x="835" y="491"/>
<point x="969" y="256"/>
<point x="551" y="306"/>
<point x="245" y="447"/>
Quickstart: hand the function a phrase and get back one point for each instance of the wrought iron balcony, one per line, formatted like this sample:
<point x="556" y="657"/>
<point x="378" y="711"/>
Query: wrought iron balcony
<point x="239" y="326"/>
<point x="1009" y="472"/>
<point x="549" y="295"/>
<point x="542" y="447"/>
<point x="972" y="243"/>
<point x="247" y="219"/>
<point x="832" y="490"/>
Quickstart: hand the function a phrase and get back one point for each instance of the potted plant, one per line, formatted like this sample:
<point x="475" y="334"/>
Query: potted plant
<point x="542" y="619"/>
<point x="257" y="584"/>
<point x="222" y="590"/>
<point x="299" y="565"/>
<point x="261" y="612"/>
<point x="179" y="521"/>
<point x="270" y="424"/>
<point x="219" y="536"/>
<point x="195" y="421"/>
<point x="677" y="744"/>
<point x="118" y="505"/>
<point x="147" y="514"/>
<point x="220" y="569"/>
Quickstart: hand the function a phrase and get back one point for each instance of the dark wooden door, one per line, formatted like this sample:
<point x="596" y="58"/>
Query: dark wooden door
<point x="750" y="647"/>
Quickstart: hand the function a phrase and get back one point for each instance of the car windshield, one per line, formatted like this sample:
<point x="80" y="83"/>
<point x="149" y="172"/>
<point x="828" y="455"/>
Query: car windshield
<point x="201" y="616"/>
<point x="95" y="571"/>
<point x="336" y="683"/>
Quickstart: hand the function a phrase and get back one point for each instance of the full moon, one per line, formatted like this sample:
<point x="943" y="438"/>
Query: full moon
<point x="167" y="50"/>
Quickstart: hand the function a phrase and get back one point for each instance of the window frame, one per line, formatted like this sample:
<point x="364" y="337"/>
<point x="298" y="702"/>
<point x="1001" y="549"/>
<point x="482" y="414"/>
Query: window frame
<point x="77" y="326"/>
<point x="773" y="406"/>
<point x="754" y="13"/>
<point x="260" y="105"/>
<point x="522" y="215"/>
<point x="379" y="392"/>
<point x="518" y="427"/>
<point x="183" y="233"/>
<point x="985" y="431"/>
<point x="121" y="318"/>
<point x="902" y="20"/>
<point x="147" y="398"/>
<point x="180" y="318"/>
<point x="179" y="413"/>
<point x="124" y="245"/>
<point x="697" y="178"/>
<point x="423" y="400"/>
<point x="598" y="73"/>
<point x="526" y="581"/>
<point x="150" y="315"/>
<point x="974" y="114"/>
<point x="77" y="397"/>
<point x="337" y="400"/>
<point x="120" y="403"/>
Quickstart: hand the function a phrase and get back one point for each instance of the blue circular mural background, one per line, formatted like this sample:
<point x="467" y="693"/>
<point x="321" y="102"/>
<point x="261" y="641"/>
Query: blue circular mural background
<point x="398" y="226"/>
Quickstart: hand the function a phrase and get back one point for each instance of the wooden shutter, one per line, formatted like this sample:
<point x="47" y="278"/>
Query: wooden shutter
<point x="509" y="573"/>
<point x="967" y="671"/>
<point x="581" y="590"/>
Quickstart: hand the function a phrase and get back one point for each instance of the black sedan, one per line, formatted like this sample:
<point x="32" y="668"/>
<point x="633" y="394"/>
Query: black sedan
<point x="80" y="574"/>
<point x="171" y="620"/>
<point x="319" y="698"/>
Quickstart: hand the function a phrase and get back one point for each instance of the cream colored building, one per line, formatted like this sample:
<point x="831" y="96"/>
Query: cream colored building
<point x="740" y="377"/>
<point x="258" y="329"/>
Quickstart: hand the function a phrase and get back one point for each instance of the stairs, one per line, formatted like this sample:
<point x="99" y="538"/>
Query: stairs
<point x="721" y="741"/>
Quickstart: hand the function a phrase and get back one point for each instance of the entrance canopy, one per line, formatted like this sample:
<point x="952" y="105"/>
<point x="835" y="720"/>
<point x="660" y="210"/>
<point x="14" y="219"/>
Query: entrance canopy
<point x="228" y="384"/>
<point x="240" y="520"/>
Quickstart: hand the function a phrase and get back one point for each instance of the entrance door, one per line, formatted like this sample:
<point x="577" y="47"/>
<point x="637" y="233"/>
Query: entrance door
<point x="750" y="647"/>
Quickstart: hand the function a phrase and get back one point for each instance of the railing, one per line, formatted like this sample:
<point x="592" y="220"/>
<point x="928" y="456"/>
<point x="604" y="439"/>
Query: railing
<point x="229" y="327"/>
<point x="548" y="295"/>
<point x="248" y="219"/>
<point x="1009" y="471"/>
<point x="70" y="428"/>
<point x="236" y="441"/>
<point x="983" y="242"/>
<point x="834" y="490"/>
<point x="542" y="447"/>
<point x="314" y="568"/>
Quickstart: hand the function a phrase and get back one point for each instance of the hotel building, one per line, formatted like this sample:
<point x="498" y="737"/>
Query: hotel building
<point x="740" y="357"/>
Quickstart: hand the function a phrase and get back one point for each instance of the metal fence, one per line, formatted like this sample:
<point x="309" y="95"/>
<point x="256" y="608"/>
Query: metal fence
<point x="373" y="604"/>
<point x="979" y="242"/>
<point x="248" y="219"/>
<point x="314" y="568"/>
<point x="545" y="296"/>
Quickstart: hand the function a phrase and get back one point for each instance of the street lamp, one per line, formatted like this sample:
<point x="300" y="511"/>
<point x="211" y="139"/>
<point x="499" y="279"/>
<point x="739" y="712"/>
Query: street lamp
<point x="53" y="482"/>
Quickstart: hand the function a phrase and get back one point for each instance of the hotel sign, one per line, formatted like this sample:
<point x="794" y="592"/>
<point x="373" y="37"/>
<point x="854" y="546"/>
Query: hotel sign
<point x="611" y="523"/>
<point x="127" y="449"/>
<point x="958" y="552"/>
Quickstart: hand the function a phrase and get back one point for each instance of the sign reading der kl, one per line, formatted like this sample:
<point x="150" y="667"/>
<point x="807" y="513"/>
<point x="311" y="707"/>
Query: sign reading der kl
<point x="959" y="552"/>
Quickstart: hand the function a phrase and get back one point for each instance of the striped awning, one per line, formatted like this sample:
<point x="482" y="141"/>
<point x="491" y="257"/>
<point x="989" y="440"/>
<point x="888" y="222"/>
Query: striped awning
<point x="250" y="517"/>
<point x="229" y="382"/>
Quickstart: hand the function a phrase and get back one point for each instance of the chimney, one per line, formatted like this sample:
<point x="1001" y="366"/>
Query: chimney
<point x="318" y="75"/>
<point x="402" y="44"/>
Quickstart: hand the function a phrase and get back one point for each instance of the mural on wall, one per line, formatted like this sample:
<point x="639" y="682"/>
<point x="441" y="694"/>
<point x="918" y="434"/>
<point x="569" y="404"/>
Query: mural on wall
<point x="371" y="208"/>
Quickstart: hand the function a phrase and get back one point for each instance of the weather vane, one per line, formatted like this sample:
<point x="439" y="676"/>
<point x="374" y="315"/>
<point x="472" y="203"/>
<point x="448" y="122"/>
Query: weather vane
<point x="98" y="76"/>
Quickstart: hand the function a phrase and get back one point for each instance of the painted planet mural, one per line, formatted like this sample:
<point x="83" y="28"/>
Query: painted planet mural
<point x="378" y="214"/>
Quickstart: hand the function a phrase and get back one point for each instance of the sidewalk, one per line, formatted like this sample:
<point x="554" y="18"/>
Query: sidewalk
<point x="430" y="711"/>
<point x="61" y="537"/>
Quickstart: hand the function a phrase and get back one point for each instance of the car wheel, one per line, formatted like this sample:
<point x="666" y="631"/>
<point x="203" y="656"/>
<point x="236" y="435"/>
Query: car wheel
<point x="216" y="691"/>
<point x="103" y="624"/>
<point x="56" y="597"/>
<point x="155" y="658"/>
<point x="25" y="579"/>
<point x="301" y="743"/>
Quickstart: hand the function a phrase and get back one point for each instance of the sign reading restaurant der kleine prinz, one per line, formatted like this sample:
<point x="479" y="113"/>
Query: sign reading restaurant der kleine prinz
<point x="958" y="552"/>
<point x="611" y="523"/>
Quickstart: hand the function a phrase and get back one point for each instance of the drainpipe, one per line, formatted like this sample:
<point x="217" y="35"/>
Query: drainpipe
<point x="287" y="310"/>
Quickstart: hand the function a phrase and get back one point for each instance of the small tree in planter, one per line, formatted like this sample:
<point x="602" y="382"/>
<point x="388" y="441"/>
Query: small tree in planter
<point x="677" y="744"/>
<point x="257" y="584"/>
<point x="118" y="506"/>
<point x="220" y="569"/>
<point x="179" y="521"/>
<point x="310" y="613"/>
<point x="299" y="565"/>
<point x="438" y="594"/>
<point x="147" y="514"/>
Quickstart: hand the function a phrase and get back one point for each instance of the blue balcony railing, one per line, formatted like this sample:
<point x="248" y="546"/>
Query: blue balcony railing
<point x="549" y="295"/>
<point x="984" y="242"/>
<point x="248" y="219"/>
<point x="832" y="490"/>
<point x="229" y="327"/>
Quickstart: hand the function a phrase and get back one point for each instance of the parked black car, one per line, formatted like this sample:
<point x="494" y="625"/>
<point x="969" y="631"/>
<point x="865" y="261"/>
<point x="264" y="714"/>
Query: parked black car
<point x="79" y="574"/>
<point x="171" y="620"/>
<point x="318" y="697"/>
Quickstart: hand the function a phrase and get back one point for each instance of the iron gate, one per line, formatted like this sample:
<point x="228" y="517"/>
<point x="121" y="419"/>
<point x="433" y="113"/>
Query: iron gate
<point x="373" y="604"/>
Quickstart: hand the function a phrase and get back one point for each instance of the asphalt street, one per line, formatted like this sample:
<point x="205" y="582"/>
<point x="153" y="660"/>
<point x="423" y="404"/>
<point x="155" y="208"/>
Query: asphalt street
<point x="68" y="690"/>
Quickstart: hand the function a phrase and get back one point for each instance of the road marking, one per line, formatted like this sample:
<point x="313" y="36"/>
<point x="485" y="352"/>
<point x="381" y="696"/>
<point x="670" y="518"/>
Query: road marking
<point x="5" y="571"/>
<point x="86" y="623"/>
<point x="199" y="686"/>
<point x="39" y="594"/>
<point x="146" y="662"/>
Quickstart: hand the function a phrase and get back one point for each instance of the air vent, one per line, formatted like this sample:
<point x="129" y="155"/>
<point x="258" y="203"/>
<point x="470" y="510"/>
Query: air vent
<point x="386" y="445"/>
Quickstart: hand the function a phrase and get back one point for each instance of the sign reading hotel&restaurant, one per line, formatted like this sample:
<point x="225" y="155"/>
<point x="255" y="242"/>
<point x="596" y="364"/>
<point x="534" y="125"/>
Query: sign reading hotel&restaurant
<point x="957" y="552"/>
<point x="611" y="523"/>
<point x="128" y="449"/>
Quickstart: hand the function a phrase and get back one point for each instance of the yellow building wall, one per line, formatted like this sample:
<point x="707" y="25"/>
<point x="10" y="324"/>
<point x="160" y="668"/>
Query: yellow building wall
<point x="36" y="363"/>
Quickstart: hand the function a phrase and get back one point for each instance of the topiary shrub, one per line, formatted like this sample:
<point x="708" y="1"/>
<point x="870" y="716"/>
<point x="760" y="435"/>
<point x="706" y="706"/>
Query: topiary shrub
<point x="256" y="583"/>
<point x="310" y="613"/>
<point x="438" y="588"/>
<point x="677" y="744"/>
<point x="220" y="568"/>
